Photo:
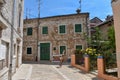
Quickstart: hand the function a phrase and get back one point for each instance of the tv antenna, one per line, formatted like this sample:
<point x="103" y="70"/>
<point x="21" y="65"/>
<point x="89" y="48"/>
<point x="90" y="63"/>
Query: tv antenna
<point x="80" y="4"/>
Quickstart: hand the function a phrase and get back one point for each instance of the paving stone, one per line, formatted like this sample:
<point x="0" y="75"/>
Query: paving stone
<point x="50" y="71"/>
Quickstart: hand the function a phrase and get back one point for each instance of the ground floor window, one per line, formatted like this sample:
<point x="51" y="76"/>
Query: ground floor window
<point x="2" y="63"/>
<point x="62" y="48"/>
<point x="29" y="50"/>
<point x="3" y="54"/>
<point x="78" y="46"/>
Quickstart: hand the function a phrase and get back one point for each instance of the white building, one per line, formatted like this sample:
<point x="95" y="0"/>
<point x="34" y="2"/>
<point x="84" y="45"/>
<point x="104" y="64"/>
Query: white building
<point x="6" y="23"/>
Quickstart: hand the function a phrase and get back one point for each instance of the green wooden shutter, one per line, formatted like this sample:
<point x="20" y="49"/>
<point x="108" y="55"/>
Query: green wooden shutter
<point x="62" y="29"/>
<point x="78" y="28"/>
<point x="62" y="48"/>
<point x="29" y="50"/>
<point x="29" y="31"/>
<point x="78" y="46"/>
<point x="45" y="30"/>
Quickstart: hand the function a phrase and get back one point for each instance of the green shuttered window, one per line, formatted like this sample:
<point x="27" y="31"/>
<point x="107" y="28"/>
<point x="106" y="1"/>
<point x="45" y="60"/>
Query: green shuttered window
<point x="78" y="46"/>
<point x="29" y="50"/>
<point x="78" y="28"/>
<point x="62" y="48"/>
<point x="29" y="31"/>
<point x="62" y="29"/>
<point x="45" y="30"/>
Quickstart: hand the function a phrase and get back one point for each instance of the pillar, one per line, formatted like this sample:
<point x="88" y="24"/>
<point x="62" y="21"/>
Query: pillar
<point x="73" y="59"/>
<point x="116" y="16"/>
<point x="87" y="63"/>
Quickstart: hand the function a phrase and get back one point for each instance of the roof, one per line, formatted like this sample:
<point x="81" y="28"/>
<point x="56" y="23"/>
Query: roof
<point x="96" y="20"/>
<point x="105" y="22"/>
<point x="87" y="14"/>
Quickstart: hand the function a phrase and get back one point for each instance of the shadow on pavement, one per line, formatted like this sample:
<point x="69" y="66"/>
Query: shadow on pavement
<point x="82" y="72"/>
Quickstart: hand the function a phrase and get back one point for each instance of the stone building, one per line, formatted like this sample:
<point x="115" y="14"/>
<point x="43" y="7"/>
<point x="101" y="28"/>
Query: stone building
<point x="104" y="26"/>
<point x="54" y="35"/>
<point x="93" y="23"/>
<point x="116" y="16"/>
<point x="7" y="24"/>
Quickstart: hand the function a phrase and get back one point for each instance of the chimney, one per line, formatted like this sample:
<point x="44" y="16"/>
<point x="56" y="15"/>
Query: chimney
<point x="78" y="11"/>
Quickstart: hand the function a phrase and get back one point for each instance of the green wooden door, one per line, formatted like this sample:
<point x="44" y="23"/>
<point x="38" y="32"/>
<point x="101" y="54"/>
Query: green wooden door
<point x="45" y="51"/>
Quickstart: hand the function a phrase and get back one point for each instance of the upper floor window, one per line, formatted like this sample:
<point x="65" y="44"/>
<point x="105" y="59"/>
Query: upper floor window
<point x="45" y="30"/>
<point x="19" y="17"/>
<point x="29" y="31"/>
<point x="29" y="50"/>
<point x="78" y="28"/>
<point x="62" y="29"/>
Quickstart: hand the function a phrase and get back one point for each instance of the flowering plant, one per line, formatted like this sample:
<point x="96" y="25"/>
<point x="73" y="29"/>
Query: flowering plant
<point x="91" y="51"/>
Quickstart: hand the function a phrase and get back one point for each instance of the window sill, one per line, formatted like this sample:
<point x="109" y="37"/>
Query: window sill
<point x="62" y="33"/>
<point x="29" y="55"/>
<point x="78" y="32"/>
<point x="45" y="34"/>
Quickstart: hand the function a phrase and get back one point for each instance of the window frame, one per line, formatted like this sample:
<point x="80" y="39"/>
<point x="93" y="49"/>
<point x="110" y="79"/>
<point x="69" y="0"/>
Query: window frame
<point x="27" y="50"/>
<point x="65" y="49"/>
<point x="64" y="28"/>
<point x="29" y="34"/>
<point x="75" y="28"/>
<point x="43" y="30"/>
<point x="78" y="45"/>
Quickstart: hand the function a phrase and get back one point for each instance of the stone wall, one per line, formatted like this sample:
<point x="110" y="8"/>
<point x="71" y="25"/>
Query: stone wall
<point x="70" y="39"/>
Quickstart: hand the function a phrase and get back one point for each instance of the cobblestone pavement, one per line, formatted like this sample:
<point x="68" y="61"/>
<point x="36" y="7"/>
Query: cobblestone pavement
<point x="50" y="71"/>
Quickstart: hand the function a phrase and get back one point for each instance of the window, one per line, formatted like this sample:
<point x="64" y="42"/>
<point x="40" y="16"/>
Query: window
<point x="62" y="29"/>
<point x="45" y="30"/>
<point x="62" y="48"/>
<point x="29" y="31"/>
<point x="19" y="20"/>
<point x="78" y="28"/>
<point x="14" y="49"/>
<point x="29" y="50"/>
<point x="78" y="46"/>
<point x="3" y="54"/>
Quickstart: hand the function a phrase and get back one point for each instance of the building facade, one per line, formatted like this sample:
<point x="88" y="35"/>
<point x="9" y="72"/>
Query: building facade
<point x="54" y="35"/>
<point x="11" y="19"/>
<point x="93" y="23"/>
<point x="116" y="16"/>
<point x="104" y="27"/>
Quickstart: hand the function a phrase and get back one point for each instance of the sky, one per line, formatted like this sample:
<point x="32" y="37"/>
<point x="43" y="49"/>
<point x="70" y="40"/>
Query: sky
<point x="96" y="8"/>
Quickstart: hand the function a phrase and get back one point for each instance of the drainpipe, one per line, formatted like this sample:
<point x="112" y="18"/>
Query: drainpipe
<point x="11" y="41"/>
<point x="37" y="59"/>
